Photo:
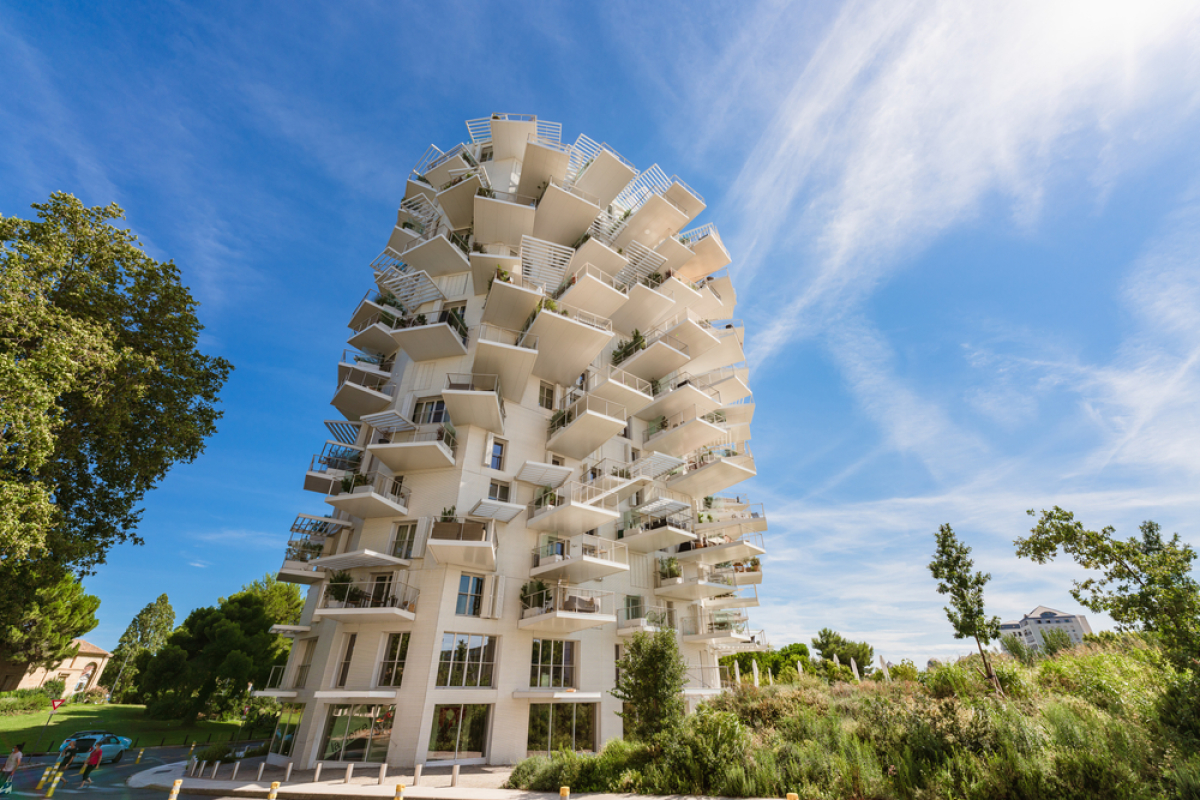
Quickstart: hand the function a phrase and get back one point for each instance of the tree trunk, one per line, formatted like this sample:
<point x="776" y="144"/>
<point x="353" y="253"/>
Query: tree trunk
<point x="987" y="666"/>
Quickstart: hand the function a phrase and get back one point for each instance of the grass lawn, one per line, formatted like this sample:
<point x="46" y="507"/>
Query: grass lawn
<point x="128" y="721"/>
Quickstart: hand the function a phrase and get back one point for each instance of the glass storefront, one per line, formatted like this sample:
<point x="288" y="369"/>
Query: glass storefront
<point x="285" y="729"/>
<point x="561" y="726"/>
<point x="357" y="733"/>
<point x="459" y="732"/>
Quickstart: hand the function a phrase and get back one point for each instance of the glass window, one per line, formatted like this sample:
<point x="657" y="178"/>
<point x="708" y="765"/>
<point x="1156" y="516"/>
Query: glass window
<point x="307" y="648"/>
<point x="467" y="660"/>
<point x="285" y="729"/>
<point x="357" y="733"/>
<point x="497" y="457"/>
<point x="546" y="396"/>
<point x="552" y="664"/>
<point x="405" y="539"/>
<point x="428" y="412"/>
<point x="557" y="726"/>
<point x="470" y="596"/>
<point x="391" y="671"/>
<point x="344" y="668"/>
<point x="498" y="491"/>
<point x="458" y="732"/>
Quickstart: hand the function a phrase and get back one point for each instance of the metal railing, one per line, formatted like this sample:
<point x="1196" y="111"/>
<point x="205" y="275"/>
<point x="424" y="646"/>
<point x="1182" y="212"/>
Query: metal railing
<point x="384" y="318"/>
<point x="376" y="383"/>
<point x="711" y="677"/>
<point x="593" y="271"/>
<point x="585" y="545"/>
<point x="474" y="382"/>
<point x="448" y="317"/>
<point x="369" y="594"/>
<point x="493" y="333"/>
<point x="445" y="434"/>
<point x="550" y="306"/>
<point x="516" y="279"/>
<point x="732" y="516"/>
<point x="313" y="527"/>
<point x="665" y="386"/>
<point x="720" y="622"/>
<point x="611" y="372"/>
<point x="303" y="548"/>
<point x="356" y="358"/>
<point x="634" y="616"/>
<point x="567" y="598"/>
<point x="337" y="457"/>
<point x="644" y="523"/>
<point x="690" y="238"/>
<point x="736" y="452"/>
<point x="714" y="539"/>
<point x="458" y="149"/>
<point x="657" y="499"/>
<point x="586" y="403"/>
<point x="758" y="642"/>
<point x="688" y="189"/>
<point x="462" y="529"/>
<point x="535" y="138"/>
<point x="507" y="197"/>
<point x="662" y="425"/>
<point x="687" y="315"/>
<point x="376" y="483"/>
<point x="661" y="335"/>
<point x="587" y="197"/>
<point x="570" y="492"/>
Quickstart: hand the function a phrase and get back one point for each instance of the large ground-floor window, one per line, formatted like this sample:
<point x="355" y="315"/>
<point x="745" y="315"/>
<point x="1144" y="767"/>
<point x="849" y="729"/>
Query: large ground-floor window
<point x="357" y="733"/>
<point x="559" y="726"/>
<point x="459" y="732"/>
<point x="285" y="729"/>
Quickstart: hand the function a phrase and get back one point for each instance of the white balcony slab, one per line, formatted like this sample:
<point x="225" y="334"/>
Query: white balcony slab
<point x="543" y="162"/>
<point x="572" y="517"/>
<point x="628" y="627"/>
<point x="370" y="615"/>
<point x="479" y="555"/>
<point x="565" y="346"/>
<point x="354" y="400"/>
<point x="699" y="337"/>
<point x="621" y="388"/>
<point x="277" y="693"/>
<point x="584" y="434"/>
<point x="675" y="252"/>
<point x="483" y="267"/>
<point x="733" y="601"/>
<point x="436" y="257"/>
<point x="686" y="437"/>
<point x="735" y="526"/>
<point x="654" y="221"/>
<point x="648" y="541"/>
<point x="683" y="293"/>
<point x="557" y="696"/>
<point x="375" y="338"/>
<point x="541" y="474"/>
<point x="644" y="308"/>
<point x="500" y="221"/>
<point x="689" y="589"/>
<point x="509" y="304"/>
<point x="320" y="481"/>
<point x="710" y="256"/>
<point x="334" y="695"/>
<point x="458" y="202"/>
<point x="600" y="255"/>
<point x="655" y="360"/>
<point x="682" y="198"/>
<point x="366" y="309"/>
<point x="747" y="578"/>
<point x="732" y="385"/>
<point x="727" y="353"/>
<point x="402" y="457"/>
<point x="360" y="369"/>
<point x="565" y="622"/>
<point x="481" y="409"/>
<point x="718" y="636"/>
<point x="496" y="509"/>
<point x="562" y="217"/>
<point x="413" y="188"/>
<point x="512" y="364"/>
<point x="594" y="295"/>
<point x="300" y="572"/>
<point x="658" y="504"/>
<point x="678" y="399"/>
<point x="429" y="342"/>
<point x="713" y="478"/>
<point x="575" y="569"/>
<point x="605" y="177"/>
<point x="510" y="136"/>
<point x="365" y="503"/>
<point x="736" y="550"/>
<point x="290" y="630"/>
<point x="360" y="558"/>
<point x="443" y="173"/>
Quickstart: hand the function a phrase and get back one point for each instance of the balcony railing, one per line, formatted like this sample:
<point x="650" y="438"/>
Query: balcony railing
<point x="633" y="616"/>
<point x="690" y="190"/>
<point x="375" y="361"/>
<point x="575" y="190"/>
<point x="661" y="425"/>
<point x="336" y="457"/>
<point x="611" y="372"/>
<point x="664" y="386"/>
<point x="714" y="539"/>
<point x="584" y="545"/>
<point x="462" y="529"/>
<point x="508" y="197"/>
<point x="690" y="238"/>
<point x="376" y="383"/>
<point x="589" y="402"/>
<point x="369" y="594"/>
<point x="711" y="677"/>
<point x="644" y="523"/>
<point x="570" y="492"/>
<point x="380" y="484"/>
<point x="450" y="317"/>
<point x="727" y="623"/>
<point x="444" y="433"/>
<point x="474" y="382"/>
<point x="303" y="548"/>
<point x="314" y="527"/>
<point x="669" y="569"/>
<point x="730" y="513"/>
<point x="385" y="318"/>
<point x="515" y="279"/>
<point x="492" y="333"/>
<point x="595" y="272"/>
<point x="552" y="306"/>
<point x="572" y="599"/>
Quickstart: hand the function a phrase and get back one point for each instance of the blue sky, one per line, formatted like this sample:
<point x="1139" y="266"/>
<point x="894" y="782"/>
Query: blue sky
<point x="965" y="244"/>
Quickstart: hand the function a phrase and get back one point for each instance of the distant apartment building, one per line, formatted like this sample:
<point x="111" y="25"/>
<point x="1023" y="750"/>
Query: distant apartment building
<point x="78" y="673"/>
<point x="544" y="409"/>
<point x="1033" y="626"/>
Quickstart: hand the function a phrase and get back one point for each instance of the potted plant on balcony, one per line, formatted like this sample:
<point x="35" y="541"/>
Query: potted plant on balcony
<point x="353" y="481"/>
<point x="669" y="569"/>
<point x="546" y="496"/>
<point x="533" y="598"/>
<point x="339" y="589"/>
<point x="755" y="565"/>
<point x="448" y="514"/>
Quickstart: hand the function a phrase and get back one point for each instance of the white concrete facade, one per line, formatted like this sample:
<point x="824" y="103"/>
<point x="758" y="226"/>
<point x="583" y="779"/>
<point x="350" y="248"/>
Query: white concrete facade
<point x="548" y="403"/>
<point x="1031" y="627"/>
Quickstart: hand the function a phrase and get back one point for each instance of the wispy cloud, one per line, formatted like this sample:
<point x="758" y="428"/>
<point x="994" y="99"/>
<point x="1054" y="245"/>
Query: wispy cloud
<point x="239" y="537"/>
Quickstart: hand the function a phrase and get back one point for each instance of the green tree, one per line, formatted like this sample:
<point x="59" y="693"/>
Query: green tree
<point x="104" y="390"/>
<point x="1144" y="583"/>
<point x="952" y="568"/>
<point x="283" y="601"/>
<point x="1055" y="641"/>
<point x="208" y="662"/>
<point x="792" y="656"/>
<point x="829" y="643"/>
<point x="148" y="631"/>
<point x="1016" y="647"/>
<point x="651" y="675"/>
<point x="56" y="614"/>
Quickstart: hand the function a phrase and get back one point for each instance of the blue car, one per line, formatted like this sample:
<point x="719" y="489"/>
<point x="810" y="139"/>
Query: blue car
<point x="112" y="747"/>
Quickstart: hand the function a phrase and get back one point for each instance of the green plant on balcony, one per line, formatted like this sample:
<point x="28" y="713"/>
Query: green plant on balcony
<point x="484" y="191"/>
<point x="627" y="347"/>
<point x="419" y="320"/>
<point x="580" y="241"/>
<point x="652" y="280"/>
<point x="708" y="501"/>
<point x="560" y="419"/>
<point x="353" y="481"/>
<point x="621" y="472"/>
<point x="656" y="425"/>
<point x="669" y="568"/>
<point x="340" y="585"/>
<point x="754" y="565"/>
<point x="546" y="496"/>
<point x="703" y="518"/>
<point x="533" y="594"/>
<point x="448" y="514"/>
<point x="389" y="299"/>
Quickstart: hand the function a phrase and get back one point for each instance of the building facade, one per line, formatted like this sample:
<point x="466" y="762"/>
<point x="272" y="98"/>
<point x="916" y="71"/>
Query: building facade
<point x="79" y="673"/>
<point x="544" y="411"/>
<point x="1031" y="627"/>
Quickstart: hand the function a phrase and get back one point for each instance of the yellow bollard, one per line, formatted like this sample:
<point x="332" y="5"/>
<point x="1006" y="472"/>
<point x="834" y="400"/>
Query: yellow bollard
<point x="175" y="789"/>
<point x="45" y="775"/>
<point x="564" y="792"/>
<point x="140" y="753"/>
<point x="399" y="791"/>
<point x="54" y="784"/>
<point x="271" y="795"/>
<point x="193" y="747"/>
<point x="793" y="796"/>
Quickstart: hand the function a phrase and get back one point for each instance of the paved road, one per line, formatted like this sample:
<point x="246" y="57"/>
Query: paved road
<point x="108" y="780"/>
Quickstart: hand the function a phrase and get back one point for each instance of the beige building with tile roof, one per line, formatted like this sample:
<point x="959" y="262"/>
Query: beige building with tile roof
<point x="79" y="673"/>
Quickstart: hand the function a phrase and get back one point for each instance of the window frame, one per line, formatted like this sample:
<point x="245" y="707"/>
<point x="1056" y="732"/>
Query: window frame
<point x="497" y="462"/>
<point x="455" y="671"/>
<point x="496" y="488"/>
<point x="548" y="672"/>
<point x="393" y="668"/>
<point x="466" y="582"/>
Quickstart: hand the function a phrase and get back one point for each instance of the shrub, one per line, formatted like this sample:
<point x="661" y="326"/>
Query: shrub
<point x="54" y="688"/>
<point x="904" y="671"/>
<point x="261" y="750"/>
<point x="216" y="752"/>
<point x="22" y="701"/>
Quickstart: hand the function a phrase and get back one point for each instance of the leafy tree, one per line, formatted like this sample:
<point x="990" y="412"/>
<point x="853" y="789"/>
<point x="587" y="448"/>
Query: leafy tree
<point x="148" y="631"/>
<point x="829" y="643"/>
<point x="283" y="601"/>
<point x="1015" y="646"/>
<point x="56" y="614"/>
<point x="1055" y="641"/>
<point x="207" y="663"/>
<point x="951" y="567"/>
<point x="651" y="676"/>
<point x="105" y="390"/>
<point x="792" y="656"/>
<point x="1144" y="583"/>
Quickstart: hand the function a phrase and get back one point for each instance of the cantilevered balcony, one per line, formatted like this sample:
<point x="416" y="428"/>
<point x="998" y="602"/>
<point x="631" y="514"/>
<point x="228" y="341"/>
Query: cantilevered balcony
<point x="436" y="167"/>
<point x="546" y="160"/>
<point x="474" y="399"/>
<point x="659" y="502"/>
<point x="758" y="644"/>
<point x="579" y="559"/>
<point x="487" y="258"/>
<point x="600" y="170"/>
<point x="463" y="542"/>
<point x="595" y="252"/>
<point x="568" y="340"/>
<point x="439" y="252"/>
<point x="721" y="514"/>
<point x="330" y="465"/>
<point x="728" y="351"/>
<point x="712" y="470"/>
<point x="584" y="425"/>
<point x="618" y="478"/>
<point x="650" y="356"/>
<point x="571" y="508"/>
<point x="693" y="330"/>
<point x="564" y="609"/>
<point x="742" y="598"/>
<point x="373" y="304"/>
<point x="645" y="533"/>
<point x="509" y="356"/>
<point x="511" y="298"/>
<point x="653" y="221"/>
<point x="503" y="217"/>
<point x="638" y="618"/>
<point x="721" y="548"/>
<point x="369" y="364"/>
<point x="361" y="394"/>
<point x="369" y="496"/>
<point x="592" y="289"/>
<point x="647" y="304"/>
<point x="425" y="337"/>
<point x="618" y="386"/>
<point x="539" y="473"/>
<point x="675" y="394"/>
<point x="716" y="628"/>
<point x="683" y="432"/>
<point x="457" y="197"/>
<point x="732" y="382"/>
<point x="510" y="133"/>
<point x="373" y="333"/>
<point x="362" y="558"/>
<point x="696" y="585"/>
<point x="744" y="573"/>
<point x="302" y="550"/>
<point x="367" y="601"/>
<point x="496" y="508"/>
<point x="736" y="417"/>
<point x="427" y="447"/>
<point x="564" y="213"/>
<point x="709" y="253"/>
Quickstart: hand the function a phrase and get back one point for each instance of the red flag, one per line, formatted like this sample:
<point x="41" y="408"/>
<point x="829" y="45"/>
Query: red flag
<point x="56" y="703"/>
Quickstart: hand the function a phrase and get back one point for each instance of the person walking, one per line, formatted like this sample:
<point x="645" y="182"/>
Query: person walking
<point x="67" y="756"/>
<point x="9" y="773"/>
<point x="93" y="761"/>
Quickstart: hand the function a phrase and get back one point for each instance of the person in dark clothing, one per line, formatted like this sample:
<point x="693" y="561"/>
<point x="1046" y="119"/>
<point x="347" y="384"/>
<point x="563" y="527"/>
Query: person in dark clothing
<point x="93" y="761"/>
<point x="67" y="756"/>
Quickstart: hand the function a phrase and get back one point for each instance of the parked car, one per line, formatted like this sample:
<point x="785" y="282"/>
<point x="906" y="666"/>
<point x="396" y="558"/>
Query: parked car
<point x="112" y="747"/>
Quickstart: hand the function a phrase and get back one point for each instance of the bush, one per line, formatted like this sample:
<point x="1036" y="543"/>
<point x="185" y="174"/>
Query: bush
<point x="23" y="701"/>
<point x="261" y="750"/>
<point x="216" y="752"/>
<point x="54" y="688"/>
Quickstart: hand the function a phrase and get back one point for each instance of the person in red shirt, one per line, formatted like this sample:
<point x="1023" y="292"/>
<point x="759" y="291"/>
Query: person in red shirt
<point x="93" y="761"/>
